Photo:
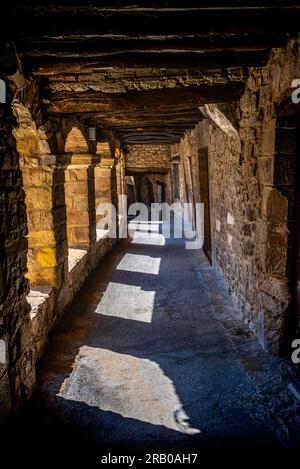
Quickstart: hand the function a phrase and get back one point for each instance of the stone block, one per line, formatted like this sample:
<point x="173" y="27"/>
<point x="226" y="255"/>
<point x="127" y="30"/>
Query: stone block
<point x="78" y="217"/>
<point x="78" y="235"/>
<point x="75" y="174"/>
<point x="274" y="206"/>
<point x="41" y="238"/>
<point x="265" y="170"/>
<point x="45" y="276"/>
<point x="39" y="198"/>
<point x="79" y="187"/>
<point x="268" y="142"/>
<point x="38" y="219"/>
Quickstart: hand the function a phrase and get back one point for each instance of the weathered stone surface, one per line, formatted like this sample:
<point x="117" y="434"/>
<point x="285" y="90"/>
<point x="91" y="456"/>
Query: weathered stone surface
<point x="17" y="379"/>
<point x="148" y="156"/>
<point x="252" y="177"/>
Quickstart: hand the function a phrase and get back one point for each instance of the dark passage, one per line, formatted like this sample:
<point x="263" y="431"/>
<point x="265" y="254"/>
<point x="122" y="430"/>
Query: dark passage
<point x="135" y="344"/>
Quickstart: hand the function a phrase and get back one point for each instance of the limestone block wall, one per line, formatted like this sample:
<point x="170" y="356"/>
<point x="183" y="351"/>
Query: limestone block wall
<point x="41" y="216"/>
<point x="46" y="218"/>
<point x="80" y="201"/>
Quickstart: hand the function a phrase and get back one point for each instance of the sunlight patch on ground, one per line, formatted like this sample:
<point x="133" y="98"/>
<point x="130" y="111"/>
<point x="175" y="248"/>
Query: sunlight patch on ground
<point x="128" y="302"/>
<point x="138" y="263"/>
<point x="154" y="239"/>
<point x="132" y="387"/>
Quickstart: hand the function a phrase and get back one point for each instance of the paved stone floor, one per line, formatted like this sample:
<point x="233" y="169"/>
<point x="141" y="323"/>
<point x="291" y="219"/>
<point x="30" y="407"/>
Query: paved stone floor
<point x="149" y="357"/>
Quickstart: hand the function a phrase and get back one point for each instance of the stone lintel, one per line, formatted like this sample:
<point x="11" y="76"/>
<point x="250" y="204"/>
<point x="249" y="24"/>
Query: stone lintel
<point x="68" y="159"/>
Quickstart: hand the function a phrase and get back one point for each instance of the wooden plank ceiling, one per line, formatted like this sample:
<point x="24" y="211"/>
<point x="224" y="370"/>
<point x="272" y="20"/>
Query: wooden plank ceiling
<point x="144" y="68"/>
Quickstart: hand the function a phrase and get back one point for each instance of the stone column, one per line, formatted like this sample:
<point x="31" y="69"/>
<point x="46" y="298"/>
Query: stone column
<point x="120" y="171"/>
<point x="105" y="185"/>
<point x="46" y="214"/>
<point x="80" y="200"/>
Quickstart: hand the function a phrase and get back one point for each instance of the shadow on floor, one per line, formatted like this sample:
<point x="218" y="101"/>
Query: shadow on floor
<point x="139" y="363"/>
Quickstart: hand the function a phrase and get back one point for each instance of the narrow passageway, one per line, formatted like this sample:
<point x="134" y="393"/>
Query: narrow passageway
<point x="116" y="342"/>
<point x="142" y="361"/>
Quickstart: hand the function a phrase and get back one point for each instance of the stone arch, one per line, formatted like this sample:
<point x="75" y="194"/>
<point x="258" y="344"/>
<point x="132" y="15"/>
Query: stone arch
<point x="34" y="143"/>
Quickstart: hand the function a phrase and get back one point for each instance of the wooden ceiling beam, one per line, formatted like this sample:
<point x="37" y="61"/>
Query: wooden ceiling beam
<point x="58" y="19"/>
<point x="113" y="45"/>
<point x="188" y="61"/>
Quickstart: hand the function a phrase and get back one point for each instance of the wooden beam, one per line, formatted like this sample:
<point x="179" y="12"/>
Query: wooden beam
<point x="189" y="61"/>
<point x="131" y="171"/>
<point x="153" y="102"/>
<point x="91" y="19"/>
<point x="202" y="42"/>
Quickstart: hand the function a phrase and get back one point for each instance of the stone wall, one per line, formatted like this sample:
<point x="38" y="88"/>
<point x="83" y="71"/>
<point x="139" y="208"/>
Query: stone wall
<point x="148" y="156"/>
<point x="150" y="165"/>
<point x="252" y="189"/>
<point x="153" y="188"/>
<point x="192" y="156"/>
<point x="17" y="371"/>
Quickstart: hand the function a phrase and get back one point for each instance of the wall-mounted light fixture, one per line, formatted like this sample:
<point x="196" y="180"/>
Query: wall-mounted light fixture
<point x="10" y="66"/>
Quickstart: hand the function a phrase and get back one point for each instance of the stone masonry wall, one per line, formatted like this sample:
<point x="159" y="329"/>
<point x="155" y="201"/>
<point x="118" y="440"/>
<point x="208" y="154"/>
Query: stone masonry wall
<point x="148" y="156"/>
<point x="17" y="373"/>
<point x="252" y="184"/>
<point x="193" y="176"/>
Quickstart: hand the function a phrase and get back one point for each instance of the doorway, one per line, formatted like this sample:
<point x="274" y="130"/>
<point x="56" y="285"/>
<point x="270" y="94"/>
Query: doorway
<point x="204" y="197"/>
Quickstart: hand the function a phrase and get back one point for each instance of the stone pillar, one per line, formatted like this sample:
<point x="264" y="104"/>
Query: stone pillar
<point x="105" y="185"/>
<point x="120" y="171"/>
<point x="46" y="214"/>
<point x="80" y="200"/>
